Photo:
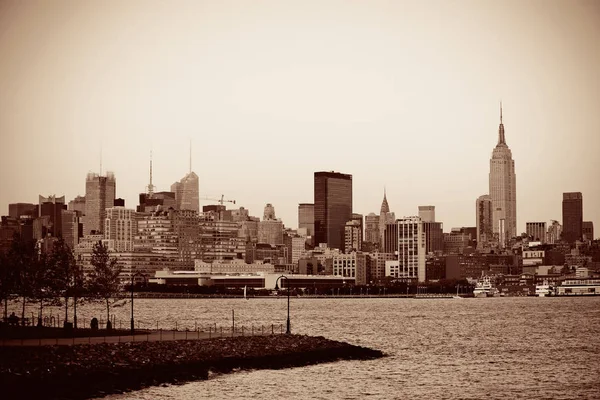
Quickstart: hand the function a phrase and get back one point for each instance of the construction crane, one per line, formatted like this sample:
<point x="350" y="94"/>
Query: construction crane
<point x="220" y="201"/>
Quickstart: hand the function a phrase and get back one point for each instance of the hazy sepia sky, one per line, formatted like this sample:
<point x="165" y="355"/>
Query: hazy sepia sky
<point x="397" y="93"/>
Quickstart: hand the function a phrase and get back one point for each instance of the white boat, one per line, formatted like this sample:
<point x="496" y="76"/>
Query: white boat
<point x="545" y="289"/>
<point x="485" y="288"/>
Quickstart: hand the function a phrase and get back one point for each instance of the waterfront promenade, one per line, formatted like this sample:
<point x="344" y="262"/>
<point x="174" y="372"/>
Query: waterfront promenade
<point x="150" y="336"/>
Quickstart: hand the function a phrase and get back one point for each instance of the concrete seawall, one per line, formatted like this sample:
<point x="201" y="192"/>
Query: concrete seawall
<point x="85" y="371"/>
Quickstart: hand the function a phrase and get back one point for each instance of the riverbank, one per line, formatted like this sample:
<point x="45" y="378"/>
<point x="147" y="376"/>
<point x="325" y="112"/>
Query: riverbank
<point x="86" y="371"/>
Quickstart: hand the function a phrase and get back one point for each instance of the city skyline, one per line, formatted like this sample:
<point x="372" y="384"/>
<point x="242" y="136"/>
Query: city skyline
<point x="267" y="102"/>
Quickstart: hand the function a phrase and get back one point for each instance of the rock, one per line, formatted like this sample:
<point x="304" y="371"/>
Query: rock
<point x="83" y="371"/>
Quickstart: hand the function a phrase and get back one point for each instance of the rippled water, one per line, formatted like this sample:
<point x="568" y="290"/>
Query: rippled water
<point x="438" y="348"/>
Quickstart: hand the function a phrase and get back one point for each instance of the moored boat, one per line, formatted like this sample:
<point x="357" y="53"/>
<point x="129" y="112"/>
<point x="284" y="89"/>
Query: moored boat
<point x="545" y="289"/>
<point x="485" y="288"/>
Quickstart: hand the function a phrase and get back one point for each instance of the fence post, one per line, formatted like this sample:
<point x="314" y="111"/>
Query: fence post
<point x="272" y="329"/>
<point x="175" y="325"/>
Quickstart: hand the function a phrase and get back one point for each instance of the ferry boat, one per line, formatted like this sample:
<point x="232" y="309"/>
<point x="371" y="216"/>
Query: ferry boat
<point x="485" y="288"/>
<point x="544" y="290"/>
<point x="579" y="287"/>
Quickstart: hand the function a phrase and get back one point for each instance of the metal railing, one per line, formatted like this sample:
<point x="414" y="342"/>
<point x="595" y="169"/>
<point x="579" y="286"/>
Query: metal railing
<point x="145" y="331"/>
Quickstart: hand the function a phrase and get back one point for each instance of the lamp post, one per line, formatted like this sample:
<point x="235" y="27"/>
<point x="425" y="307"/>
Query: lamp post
<point x="288" y="329"/>
<point x="133" y="276"/>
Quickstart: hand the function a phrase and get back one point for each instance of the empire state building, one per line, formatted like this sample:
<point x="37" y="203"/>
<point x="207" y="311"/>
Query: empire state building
<point x="503" y="190"/>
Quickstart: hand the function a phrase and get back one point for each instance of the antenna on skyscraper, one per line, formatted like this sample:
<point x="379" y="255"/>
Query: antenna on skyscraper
<point x="500" y="111"/>
<point x="150" y="186"/>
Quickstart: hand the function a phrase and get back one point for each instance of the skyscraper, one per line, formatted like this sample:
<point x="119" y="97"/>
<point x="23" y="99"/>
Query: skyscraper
<point x="70" y="227"/>
<point x="554" y="232"/>
<point x="588" y="230"/>
<point x="77" y="204"/>
<point x="186" y="191"/>
<point x="411" y="248"/>
<point x="434" y="236"/>
<point x="353" y="236"/>
<point x="333" y="207"/>
<point x="16" y="210"/>
<point x="372" y="234"/>
<point x="427" y="213"/>
<point x="270" y="229"/>
<point x="536" y="230"/>
<point x="269" y="212"/>
<point x="572" y="211"/>
<point x="503" y="188"/>
<point x="52" y="207"/>
<point x="484" y="220"/>
<point x="385" y="217"/>
<point x="99" y="195"/>
<point x="120" y="226"/>
<point x="306" y="218"/>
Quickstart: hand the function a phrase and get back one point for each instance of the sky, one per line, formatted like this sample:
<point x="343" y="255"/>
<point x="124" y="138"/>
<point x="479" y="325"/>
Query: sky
<point x="401" y="94"/>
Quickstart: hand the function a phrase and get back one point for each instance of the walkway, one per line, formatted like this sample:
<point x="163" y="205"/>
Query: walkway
<point x="151" y="336"/>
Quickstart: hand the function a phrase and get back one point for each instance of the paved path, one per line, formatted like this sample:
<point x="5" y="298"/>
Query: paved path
<point x="151" y="336"/>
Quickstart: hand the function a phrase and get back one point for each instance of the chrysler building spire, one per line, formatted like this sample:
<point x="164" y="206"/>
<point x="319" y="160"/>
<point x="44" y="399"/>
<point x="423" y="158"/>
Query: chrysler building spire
<point x="385" y="208"/>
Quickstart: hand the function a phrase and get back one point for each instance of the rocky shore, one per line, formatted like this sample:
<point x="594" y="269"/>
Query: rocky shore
<point x="86" y="371"/>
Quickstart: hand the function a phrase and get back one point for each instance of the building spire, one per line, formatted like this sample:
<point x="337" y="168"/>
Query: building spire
<point x="150" y="185"/>
<point x="501" y="138"/>
<point x="385" y="208"/>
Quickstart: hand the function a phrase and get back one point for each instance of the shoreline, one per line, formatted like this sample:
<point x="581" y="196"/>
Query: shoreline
<point x="87" y="371"/>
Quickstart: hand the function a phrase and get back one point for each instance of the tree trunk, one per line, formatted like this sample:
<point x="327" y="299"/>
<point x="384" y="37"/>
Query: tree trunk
<point x="107" y="313"/>
<point x="66" y="309"/>
<point x="75" y="312"/>
<point x="23" y="313"/>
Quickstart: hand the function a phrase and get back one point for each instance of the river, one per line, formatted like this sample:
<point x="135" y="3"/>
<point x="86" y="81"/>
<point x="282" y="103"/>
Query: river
<point x="495" y="348"/>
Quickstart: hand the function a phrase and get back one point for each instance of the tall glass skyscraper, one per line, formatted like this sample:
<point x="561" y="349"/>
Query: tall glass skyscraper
<point x="572" y="211"/>
<point x="187" y="193"/>
<point x="333" y="207"/>
<point x="503" y="188"/>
